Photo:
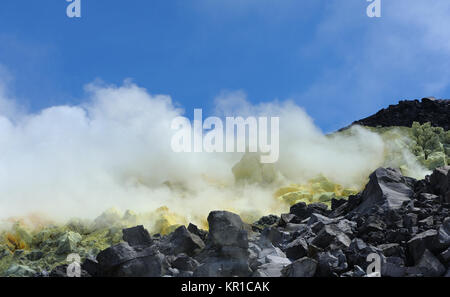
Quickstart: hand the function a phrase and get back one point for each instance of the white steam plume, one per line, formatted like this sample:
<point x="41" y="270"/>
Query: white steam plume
<point x="114" y="150"/>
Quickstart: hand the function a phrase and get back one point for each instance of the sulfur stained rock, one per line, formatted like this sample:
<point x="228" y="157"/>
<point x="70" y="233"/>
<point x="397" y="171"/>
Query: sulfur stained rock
<point x="19" y="271"/>
<point x="67" y="243"/>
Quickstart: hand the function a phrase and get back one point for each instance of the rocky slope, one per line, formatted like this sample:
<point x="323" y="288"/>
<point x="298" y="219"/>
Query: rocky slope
<point x="404" y="222"/>
<point x="408" y="111"/>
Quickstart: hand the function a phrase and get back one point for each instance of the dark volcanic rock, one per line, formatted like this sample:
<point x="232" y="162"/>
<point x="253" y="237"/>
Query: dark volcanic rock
<point x="444" y="233"/>
<point x="195" y="230"/>
<point x="428" y="265"/>
<point x="406" y="112"/>
<point x="304" y="267"/>
<point x="152" y="265"/>
<point x="182" y="241"/>
<point x="331" y="263"/>
<point x="440" y="182"/>
<point x="296" y="249"/>
<point x="387" y="188"/>
<point x="185" y="263"/>
<point x="226" y="228"/>
<point x="226" y="253"/>
<point x="303" y="211"/>
<point x="115" y="255"/>
<point x="221" y="267"/>
<point x="419" y="243"/>
<point x="137" y="236"/>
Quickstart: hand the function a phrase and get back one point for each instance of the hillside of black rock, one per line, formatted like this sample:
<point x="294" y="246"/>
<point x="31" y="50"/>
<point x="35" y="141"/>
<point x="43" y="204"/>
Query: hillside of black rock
<point x="408" y="111"/>
<point x="402" y="221"/>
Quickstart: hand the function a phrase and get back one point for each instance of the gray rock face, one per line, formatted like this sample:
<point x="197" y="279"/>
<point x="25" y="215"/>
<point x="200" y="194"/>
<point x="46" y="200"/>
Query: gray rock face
<point x="444" y="233"/>
<point x="227" y="253"/>
<point x="304" y="267"/>
<point x="331" y="234"/>
<point x="445" y="255"/>
<point x="297" y="249"/>
<point x="270" y="270"/>
<point x="430" y="266"/>
<point x="440" y="180"/>
<point x="419" y="243"/>
<point x="226" y="228"/>
<point x="126" y="261"/>
<point x="393" y="267"/>
<point x="183" y="241"/>
<point x="153" y="265"/>
<point x="185" y="263"/>
<point x="331" y="263"/>
<point x="387" y="188"/>
<point x="303" y="211"/>
<point x="116" y="255"/>
<point x="137" y="236"/>
<point x="222" y="267"/>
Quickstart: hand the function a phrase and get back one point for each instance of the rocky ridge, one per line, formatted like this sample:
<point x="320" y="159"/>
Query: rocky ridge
<point x="406" y="112"/>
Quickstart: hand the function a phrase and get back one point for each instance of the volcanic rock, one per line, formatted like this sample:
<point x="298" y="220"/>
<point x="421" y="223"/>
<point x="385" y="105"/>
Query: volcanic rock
<point x="114" y="256"/>
<point x="304" y="267"/>
<point x="296" y="249"/>
<point x="182" y="241"/>
<point x="419" y="243"/>
<point x="137" y="236"/>
<point x="226" y="228"/>
<point x="406" y="112"/>
<point x="387" y="188"/>
<point x="185" y="263"/>
<point x="195" y="230"/>
<point x="428" y="265"/>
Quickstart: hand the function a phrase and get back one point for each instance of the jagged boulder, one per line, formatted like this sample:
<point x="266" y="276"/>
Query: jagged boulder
<point x="440" y="182"/>
<point x="115" y="255"/>
<point x="183" y="241"/>
<point x="227" y="251"/>
<point x="153" y="264"/>
<point x="304" y="267"/>
<point x="184" y="263"/>
<point x="136" y="236"/>
<point x="388" y="189"/>
<point x="227" y="229"/>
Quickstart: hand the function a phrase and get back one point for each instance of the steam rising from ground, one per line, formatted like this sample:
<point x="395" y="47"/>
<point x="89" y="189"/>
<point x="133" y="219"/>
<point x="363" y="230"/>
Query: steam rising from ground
<point x="114" y="151"/>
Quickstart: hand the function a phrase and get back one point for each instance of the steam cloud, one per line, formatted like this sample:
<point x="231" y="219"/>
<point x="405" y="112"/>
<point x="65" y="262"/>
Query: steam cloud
<point x="114" y="151"/>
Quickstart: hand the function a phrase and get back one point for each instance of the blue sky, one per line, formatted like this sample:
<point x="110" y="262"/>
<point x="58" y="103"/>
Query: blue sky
<point x="326" y="55"/>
